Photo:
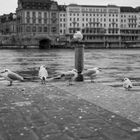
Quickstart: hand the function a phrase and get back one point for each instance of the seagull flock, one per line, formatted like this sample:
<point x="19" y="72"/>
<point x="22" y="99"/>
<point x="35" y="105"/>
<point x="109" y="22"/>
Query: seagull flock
<point x="69" y="76"/>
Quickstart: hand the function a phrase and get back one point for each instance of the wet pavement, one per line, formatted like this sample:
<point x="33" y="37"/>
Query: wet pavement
<point x="31" y="111"/>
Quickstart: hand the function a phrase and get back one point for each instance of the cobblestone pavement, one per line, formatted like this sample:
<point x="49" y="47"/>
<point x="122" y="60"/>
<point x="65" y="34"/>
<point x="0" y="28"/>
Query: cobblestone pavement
<point x="30" y="111"/>
<point x="122" y="102"/>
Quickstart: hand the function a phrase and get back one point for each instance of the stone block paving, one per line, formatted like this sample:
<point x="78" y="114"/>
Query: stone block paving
<point x="45" y="112"/>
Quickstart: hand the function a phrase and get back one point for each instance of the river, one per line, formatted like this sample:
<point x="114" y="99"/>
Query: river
<point x="116" y="64"/>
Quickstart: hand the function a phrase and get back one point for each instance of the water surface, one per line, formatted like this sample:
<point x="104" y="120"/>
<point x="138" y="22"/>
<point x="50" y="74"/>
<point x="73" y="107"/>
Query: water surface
<point x="116" y="64"/>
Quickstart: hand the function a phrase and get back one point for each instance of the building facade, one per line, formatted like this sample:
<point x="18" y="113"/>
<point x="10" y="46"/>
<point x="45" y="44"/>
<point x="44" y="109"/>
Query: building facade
<point x="37" y="17"/>
<point x="107" y="25"/>
<point x="104" y="25"/>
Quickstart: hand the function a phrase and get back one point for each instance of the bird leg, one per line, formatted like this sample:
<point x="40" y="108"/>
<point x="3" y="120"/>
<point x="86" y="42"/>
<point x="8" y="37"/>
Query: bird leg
<point x="92" y="81"/>
<point x="43" y="81"/>
<point x="70" y="82"/>
<point x="10" y="83"/>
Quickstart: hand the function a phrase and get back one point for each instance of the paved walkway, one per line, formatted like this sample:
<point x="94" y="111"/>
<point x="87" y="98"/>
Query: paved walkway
<point x="30" y="111"/>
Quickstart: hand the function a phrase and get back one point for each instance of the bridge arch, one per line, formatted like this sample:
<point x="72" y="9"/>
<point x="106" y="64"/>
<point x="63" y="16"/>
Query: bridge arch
<point x="44" y="43"/>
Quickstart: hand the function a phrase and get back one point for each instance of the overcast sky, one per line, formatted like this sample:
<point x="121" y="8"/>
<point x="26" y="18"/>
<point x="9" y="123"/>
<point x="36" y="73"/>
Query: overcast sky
<point x="7" y="6"/>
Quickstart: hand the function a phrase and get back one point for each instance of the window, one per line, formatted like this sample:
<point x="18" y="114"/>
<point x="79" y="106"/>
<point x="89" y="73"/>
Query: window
<point x="34" y="20"/>
<point x="45" y="15"/>
<point x="39" y="14"/>
<point x="53" y="30"/>
<point x="53" y="14"/>
<point x="39" y="20"/>
<point x="60" y="31"/>
<point x="28" y="14"/>
<point x="28" y="20"/>
<point x="28" y="29"/>
<point x="34" y="14"/>
<point x="34" y="29"/>
<point x="45" y="21"/>
<point x="45" y="29"/>
<point x="39" y="29"/>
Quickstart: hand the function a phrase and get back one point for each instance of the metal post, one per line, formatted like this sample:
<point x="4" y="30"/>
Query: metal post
<point x="79" y="60"/>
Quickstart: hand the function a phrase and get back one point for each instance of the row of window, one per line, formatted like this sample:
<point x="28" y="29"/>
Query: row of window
<point x="91" y="14"/>
<point x="40" y="29"/>
<point x="40" y="21"/>
<point x="40" y="14"/>
<point x="95" y="31"/>
<point x="93" y="19"/>
<point x="113" y="25"/>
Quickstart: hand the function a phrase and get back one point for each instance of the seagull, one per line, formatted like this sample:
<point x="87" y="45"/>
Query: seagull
<point x="43" y="74"/>
<point x="92" y="73"/>
<point x="11" y="76"/>
<point x="127" y="84"/>
<point x="70" y="75"/>
<point x="78" y="36"/>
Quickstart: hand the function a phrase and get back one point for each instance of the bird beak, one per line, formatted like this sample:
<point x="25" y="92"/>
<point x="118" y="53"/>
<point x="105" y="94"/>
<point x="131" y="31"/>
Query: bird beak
<point x="2" y="72"/>
<point x="62" y="75"/>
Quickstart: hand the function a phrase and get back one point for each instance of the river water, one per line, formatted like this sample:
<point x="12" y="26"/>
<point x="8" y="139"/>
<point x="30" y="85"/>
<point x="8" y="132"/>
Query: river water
<point x="116" y="64"/>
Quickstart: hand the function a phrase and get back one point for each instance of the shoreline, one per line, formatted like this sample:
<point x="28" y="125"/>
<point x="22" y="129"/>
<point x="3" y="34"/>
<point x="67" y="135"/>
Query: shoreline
<point x="60" y="47"/>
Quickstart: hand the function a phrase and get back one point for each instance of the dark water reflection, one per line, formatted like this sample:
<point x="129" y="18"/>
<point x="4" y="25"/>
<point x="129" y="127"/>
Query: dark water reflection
<point x="116" y="64"/>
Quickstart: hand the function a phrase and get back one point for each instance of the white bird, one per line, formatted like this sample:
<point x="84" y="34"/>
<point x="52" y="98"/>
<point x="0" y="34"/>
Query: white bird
<point x="70" y="75"/>
<point x="11" y="76"/>
<point x="78" y="36"/>
<point x="43" y="74"/>
<point x="92" y="73"/>
<point x="127" y="84"/>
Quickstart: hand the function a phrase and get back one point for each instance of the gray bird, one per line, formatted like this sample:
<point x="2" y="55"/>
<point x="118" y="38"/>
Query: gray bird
<point x="92" y="73"/>
<point x="43" y="74"/>
<point x="127" y="84"/>
<point x="70" y="76"/>
<point x="11" y="76"/>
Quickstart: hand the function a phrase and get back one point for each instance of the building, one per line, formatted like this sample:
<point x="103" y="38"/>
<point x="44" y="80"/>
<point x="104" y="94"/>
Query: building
<point x="8" y="24"/>
<point x="130" y="25"/>
<point x="102" y="25"/>
<point x="38" y="18"/>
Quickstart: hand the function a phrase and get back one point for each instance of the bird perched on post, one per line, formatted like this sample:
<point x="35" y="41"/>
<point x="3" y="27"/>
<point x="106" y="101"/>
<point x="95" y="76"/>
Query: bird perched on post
<point x="43" y="74"/>
<point x="70" y="76"/>
<point x="92" y="73"/>
<point x="78" y="36"/>
<point x="11" y="76"/>
<point x="127" y="84"/>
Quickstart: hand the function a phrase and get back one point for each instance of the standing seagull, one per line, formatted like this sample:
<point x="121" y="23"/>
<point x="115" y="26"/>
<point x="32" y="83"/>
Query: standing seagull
<point x="11" y="76"/>
<point x="78" y="36"/>
<point x="43" y="74"/>
<point x="70" y="75"/>
<point x="127" y="84"/>
<point x="92" y="73"/>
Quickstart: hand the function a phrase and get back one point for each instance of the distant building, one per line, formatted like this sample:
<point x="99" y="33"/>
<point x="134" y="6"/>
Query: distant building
<point x="104" y="25"/>
<point x="101" y="25"/>
<point x="8" y="24"/>
<point x="38" y="17"/>
<point x="129" y="24"/>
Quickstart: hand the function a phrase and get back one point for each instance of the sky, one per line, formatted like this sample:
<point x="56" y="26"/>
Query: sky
<point x="7" y="6"/>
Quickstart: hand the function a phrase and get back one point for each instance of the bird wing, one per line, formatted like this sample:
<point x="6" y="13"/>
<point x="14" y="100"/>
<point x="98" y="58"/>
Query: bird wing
<point x="89" y="72"/>
<point x="43" y="73"/>
<point x="15" y="76"/>
<point x="69" y="75"/>
<point x="127" y="84"/>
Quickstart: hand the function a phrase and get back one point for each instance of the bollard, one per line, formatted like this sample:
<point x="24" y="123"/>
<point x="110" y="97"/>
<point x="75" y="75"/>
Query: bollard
<point x="79" y="60"/>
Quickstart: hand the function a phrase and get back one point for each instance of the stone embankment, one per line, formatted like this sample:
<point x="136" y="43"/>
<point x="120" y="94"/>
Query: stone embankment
<point x="55" y="111"/>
